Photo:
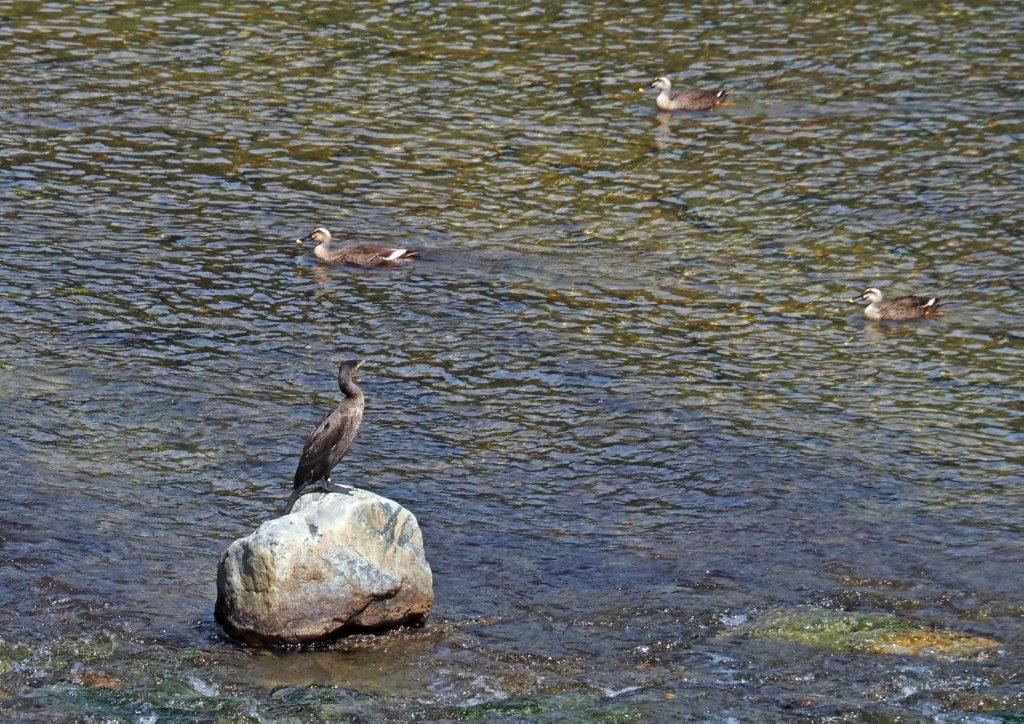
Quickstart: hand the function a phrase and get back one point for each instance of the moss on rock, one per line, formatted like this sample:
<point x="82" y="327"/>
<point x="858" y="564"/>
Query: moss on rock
<point x="873" y="633"/>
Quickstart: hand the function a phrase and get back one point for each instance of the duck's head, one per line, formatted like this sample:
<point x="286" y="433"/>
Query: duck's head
<point x="320" y="235"/>
<point x="661" y="83"/>
<point x="347" y="370"/>
<point x="870" y="295"/>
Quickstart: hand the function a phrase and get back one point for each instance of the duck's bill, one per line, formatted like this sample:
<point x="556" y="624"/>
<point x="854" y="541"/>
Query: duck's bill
<point x="855" y="300"/>
<point x="304" y="239"/>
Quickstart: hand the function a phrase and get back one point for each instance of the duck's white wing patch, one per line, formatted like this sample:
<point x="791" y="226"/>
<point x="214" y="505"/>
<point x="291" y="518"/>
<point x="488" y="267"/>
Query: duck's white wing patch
<point x="930" y="302"/>
<point x="395" y="254"/>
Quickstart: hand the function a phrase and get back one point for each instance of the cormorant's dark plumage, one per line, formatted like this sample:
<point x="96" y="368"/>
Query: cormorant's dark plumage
<point x="332" y="436"/>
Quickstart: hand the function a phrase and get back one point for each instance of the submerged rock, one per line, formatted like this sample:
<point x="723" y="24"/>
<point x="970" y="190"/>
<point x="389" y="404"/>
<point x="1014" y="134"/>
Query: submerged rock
<point x="100" y="680"/>
<point x="337" y="562"/>
<point x="874" y="633"/>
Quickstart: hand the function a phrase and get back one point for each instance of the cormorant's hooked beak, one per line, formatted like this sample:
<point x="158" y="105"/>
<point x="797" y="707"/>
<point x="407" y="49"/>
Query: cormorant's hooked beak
<point x="358" y="365"/>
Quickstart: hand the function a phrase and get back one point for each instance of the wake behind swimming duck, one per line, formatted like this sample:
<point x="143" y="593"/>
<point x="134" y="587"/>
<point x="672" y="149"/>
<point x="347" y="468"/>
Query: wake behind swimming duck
<point x="364" y="255"/>
<point x="899" y="308"/>
<point x="691" y="100"/>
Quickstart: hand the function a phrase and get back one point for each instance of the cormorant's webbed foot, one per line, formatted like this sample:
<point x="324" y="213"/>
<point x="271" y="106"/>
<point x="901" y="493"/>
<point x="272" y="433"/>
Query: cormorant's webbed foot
<point x="330" y="487"/>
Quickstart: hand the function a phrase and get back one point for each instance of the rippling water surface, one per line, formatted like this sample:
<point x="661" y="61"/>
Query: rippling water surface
<point x="622" y="392"/>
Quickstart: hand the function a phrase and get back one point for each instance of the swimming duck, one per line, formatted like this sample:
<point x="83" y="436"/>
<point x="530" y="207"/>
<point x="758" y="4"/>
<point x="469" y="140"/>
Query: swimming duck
<point x="693" y="100"/>
<point x="364" y="255"/>
<point x="898" y="308"/>
<point x="332" y="436"/>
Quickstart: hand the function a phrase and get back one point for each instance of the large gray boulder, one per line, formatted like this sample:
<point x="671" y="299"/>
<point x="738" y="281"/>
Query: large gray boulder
<point x="339" y="561"/>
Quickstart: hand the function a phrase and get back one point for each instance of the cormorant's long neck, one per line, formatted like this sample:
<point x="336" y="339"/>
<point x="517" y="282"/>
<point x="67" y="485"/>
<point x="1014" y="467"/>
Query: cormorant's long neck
<point x="350" y="390"/>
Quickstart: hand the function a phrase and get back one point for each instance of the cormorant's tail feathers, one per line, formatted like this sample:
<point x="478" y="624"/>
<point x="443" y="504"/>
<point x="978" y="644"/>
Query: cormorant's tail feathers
<point x="296" y="494"/>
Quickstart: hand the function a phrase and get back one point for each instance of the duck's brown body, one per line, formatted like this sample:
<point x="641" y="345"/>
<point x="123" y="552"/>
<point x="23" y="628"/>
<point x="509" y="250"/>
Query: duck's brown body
<point x="902" y="308"/>
<point x="364" y="255"/>
<point x="693" y="100"/>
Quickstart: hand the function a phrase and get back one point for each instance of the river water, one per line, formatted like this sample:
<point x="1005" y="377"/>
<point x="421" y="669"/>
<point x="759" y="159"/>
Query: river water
<point x="622" y="391"/>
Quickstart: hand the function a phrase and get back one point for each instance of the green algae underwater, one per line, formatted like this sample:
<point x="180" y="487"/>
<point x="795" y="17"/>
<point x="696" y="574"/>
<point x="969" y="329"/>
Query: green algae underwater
<point x="663" y="471"/>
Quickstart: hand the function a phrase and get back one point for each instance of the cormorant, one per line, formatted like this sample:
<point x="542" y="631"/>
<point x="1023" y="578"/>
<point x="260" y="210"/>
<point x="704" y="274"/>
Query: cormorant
<point x="332" y="436"/>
